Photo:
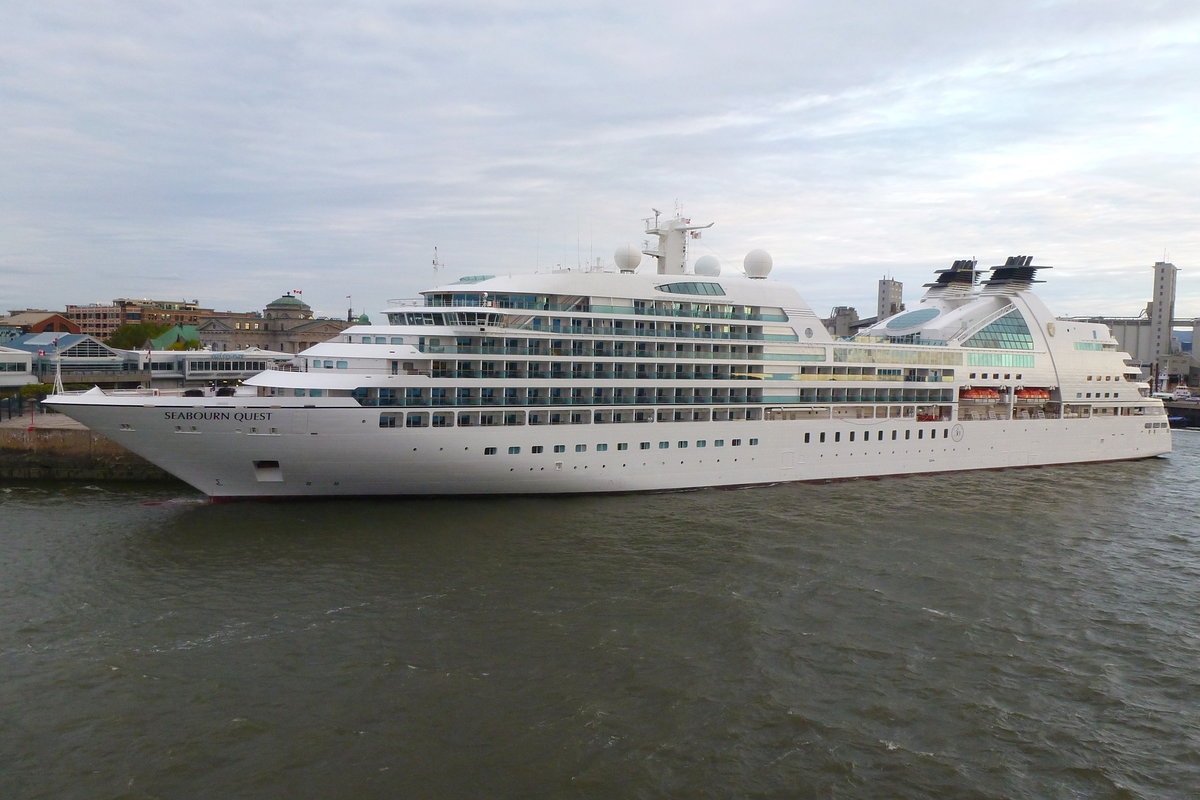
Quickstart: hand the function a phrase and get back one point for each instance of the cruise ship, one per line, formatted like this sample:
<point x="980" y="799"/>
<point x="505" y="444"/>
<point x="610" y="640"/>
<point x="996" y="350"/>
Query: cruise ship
<point x="638" y="379"/>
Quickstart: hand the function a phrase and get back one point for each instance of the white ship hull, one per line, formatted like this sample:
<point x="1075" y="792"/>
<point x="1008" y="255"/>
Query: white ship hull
<point x="330" y="451"/>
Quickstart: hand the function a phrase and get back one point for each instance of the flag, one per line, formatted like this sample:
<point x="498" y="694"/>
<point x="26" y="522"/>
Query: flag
<point x="297" y="291"/>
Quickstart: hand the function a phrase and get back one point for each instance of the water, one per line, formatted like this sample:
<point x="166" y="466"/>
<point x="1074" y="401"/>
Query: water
<point x="1016" y="634"/>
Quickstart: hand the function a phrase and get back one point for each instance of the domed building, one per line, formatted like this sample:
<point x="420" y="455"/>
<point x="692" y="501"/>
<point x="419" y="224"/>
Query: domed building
<point x="286" y="325"/>
<point x="288" y="307"/>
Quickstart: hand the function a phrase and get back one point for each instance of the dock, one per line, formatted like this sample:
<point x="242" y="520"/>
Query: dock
<point x="56" y="447"/>
<point x="1183" y="413"/>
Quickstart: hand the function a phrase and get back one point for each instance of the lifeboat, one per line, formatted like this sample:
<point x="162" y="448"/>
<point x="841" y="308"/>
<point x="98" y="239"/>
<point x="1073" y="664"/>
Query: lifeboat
<point x="979" y="395"/>
<point x="1034" y="395"/>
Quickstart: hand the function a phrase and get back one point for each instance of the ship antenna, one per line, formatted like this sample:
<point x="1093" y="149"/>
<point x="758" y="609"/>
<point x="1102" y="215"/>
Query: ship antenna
<point x="437" y="265"/>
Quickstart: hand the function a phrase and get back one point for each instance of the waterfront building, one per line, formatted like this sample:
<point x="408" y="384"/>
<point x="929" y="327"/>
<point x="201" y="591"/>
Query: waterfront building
<point x="16" y="369"/>
<point x="100" y="320"/>
<point x="35" y="321"/>
<point x="86" y="360"/>
<point x="286" y="325"/>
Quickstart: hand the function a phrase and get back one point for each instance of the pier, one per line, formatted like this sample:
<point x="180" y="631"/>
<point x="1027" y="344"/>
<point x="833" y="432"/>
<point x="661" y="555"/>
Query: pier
<point x="56" y="447"/>
<point x="1183" y="413"/>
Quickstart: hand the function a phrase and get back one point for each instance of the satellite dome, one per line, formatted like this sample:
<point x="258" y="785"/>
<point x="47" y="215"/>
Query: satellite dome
<point x="757" y="264"/>
<point x="627" y="258"/>
<point x="708" y="266"/>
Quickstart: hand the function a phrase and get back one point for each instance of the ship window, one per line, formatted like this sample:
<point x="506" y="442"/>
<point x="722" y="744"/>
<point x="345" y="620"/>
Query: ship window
<point x="822" y="437"/>
<point x="852" y="436"/>
<point x="537" y="448"/>
<point x="701" y="443"/>
<point x="692" y="287"/>
<point x="489" y="451"/>
<point x="807" y="437"/>
<point x="908" y="434"/>
<point x="912" y="319"/>
<point x="837" y="436"/>
<point x="753" y="442"/>
<point x="601" y="448"/>
<point x="735" y="443"/>
<point x="512" y="451"/>
<point x="417" y="420"/>
<point x="581" y="448"/>
<point x="663" y="445"/>
<point x="1008" y="333"/>
<point x="644" y="446"/>
<point x="622" y="445"/>
<point x="893" y="436"/>
<point x="389" y="420"/>
<point x="718" y="443"/>
<point x="342" y="365"/>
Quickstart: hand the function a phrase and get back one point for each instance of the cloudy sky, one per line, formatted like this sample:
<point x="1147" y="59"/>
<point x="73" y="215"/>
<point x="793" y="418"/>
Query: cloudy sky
<point x="232" y="151"/>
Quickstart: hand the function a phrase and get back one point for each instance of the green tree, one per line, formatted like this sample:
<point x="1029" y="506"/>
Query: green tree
<point x="134" y="337"/>
<point x="190" y="344"/>
<point x="32" y="391"/>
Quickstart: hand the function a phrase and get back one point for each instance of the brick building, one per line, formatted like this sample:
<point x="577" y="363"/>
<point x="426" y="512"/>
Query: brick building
<point x="99" y="320"/>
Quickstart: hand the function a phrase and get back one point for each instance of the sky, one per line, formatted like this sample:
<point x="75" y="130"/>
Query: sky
<point x="229" y="152"/>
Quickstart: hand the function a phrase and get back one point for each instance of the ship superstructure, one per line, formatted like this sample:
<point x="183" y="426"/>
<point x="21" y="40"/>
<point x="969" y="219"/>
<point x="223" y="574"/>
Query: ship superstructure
<point x="624" y="380"/>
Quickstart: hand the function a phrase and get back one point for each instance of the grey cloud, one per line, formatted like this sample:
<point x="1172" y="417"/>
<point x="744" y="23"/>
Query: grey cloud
<point x="240" y="147"/>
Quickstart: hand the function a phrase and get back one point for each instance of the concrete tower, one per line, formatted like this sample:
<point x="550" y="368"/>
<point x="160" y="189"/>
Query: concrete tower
<point x="1161" y="310"/>
<point x="891" y="298"/>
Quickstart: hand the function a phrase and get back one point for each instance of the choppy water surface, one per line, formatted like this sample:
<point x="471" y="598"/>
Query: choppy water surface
<point x="1018" y="634"/>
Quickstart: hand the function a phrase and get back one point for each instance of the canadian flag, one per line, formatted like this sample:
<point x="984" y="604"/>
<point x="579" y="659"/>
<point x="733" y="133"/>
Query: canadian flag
<point x="297" y="291"/>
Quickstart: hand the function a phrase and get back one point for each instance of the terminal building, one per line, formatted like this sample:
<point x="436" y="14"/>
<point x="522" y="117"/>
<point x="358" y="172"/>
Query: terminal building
<point x="84" y="360"/>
